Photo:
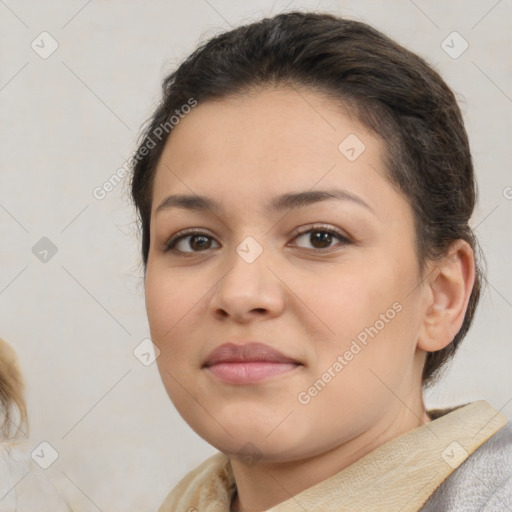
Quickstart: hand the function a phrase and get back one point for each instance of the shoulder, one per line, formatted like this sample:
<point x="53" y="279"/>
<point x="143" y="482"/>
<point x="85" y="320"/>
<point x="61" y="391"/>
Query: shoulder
<point x="212" y="480"/>
<point x="483" y="482"/>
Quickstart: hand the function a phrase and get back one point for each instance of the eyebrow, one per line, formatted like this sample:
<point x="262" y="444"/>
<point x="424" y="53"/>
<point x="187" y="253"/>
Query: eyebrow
<point x="289" y="201"/>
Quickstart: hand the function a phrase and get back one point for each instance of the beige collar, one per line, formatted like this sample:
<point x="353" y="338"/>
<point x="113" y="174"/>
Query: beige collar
<point x="399" y="475"/>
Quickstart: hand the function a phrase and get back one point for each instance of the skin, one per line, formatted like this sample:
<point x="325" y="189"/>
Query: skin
<point x="309" y="303"/>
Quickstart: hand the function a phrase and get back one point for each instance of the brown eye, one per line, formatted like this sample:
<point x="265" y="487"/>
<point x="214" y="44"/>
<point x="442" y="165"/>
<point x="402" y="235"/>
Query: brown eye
<point x="322" y="238"/>
<point x="195" y="241"/>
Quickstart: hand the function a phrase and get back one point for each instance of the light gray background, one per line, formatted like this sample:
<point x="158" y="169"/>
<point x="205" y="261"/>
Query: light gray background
<point x="71" y="120"/>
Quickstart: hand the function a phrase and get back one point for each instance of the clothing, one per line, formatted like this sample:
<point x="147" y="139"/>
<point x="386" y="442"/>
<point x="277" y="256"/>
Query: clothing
<point x="460" y="461"/>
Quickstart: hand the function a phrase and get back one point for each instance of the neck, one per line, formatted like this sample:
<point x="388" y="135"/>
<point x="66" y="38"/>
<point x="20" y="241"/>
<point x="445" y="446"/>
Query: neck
<point x="265" y="485"/>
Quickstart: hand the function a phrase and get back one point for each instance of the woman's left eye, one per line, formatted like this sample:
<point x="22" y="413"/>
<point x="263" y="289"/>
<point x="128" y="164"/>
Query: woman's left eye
<point x="321" y="238"/>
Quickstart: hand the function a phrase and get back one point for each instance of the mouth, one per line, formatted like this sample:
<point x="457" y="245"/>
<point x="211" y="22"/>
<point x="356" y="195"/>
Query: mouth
<point x="249" y="363"/>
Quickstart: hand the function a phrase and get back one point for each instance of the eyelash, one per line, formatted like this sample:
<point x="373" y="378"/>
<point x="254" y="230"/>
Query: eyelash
<point x="171" y="243"/>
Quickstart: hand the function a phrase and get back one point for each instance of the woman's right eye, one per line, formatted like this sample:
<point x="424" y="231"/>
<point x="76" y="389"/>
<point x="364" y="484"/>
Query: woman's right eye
<point x="194" y="241"/>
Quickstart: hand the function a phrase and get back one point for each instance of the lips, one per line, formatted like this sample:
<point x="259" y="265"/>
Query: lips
<point x="248" y="364"/>
<point x="249" y="352"/>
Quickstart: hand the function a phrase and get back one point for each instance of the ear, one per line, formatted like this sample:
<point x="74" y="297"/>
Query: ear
<point x="448" y="289"/>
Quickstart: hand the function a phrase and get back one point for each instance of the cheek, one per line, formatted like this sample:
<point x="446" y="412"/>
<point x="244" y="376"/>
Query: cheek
<point x="176" y="309"/>
<point x="169" y="299"/>
<point x="159" y="298"/>
<point x="345" y="299"/>
<point x="167" y="304"/>
<point x="369" y="304"/>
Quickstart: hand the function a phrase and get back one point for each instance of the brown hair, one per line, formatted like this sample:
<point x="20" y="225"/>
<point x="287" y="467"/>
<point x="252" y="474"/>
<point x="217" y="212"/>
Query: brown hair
<point x="12" y="402"/>
<point x="391" y="90"/>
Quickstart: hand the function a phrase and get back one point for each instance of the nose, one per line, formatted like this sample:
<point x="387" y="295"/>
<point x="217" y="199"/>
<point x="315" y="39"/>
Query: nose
<point x="248" y="290"/>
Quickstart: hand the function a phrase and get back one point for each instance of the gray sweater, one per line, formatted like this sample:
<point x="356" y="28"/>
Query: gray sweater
<point x="482" y="483"/>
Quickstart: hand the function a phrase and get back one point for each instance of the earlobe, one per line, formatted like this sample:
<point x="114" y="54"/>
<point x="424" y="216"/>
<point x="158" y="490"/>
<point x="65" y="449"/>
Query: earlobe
<point x="449" y="289"/>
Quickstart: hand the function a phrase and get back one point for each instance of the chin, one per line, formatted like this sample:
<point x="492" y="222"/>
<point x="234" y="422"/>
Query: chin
<point x="255" y="440"/>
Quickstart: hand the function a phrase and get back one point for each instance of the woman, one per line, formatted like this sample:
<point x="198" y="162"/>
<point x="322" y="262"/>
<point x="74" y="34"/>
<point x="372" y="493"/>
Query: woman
<point x="309" y="270"/>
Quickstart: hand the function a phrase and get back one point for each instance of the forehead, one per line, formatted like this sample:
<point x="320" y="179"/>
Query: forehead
<point x="248" y="147"/>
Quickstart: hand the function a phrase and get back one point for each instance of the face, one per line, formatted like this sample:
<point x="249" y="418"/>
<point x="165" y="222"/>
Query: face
<point x="330" y="283"/>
